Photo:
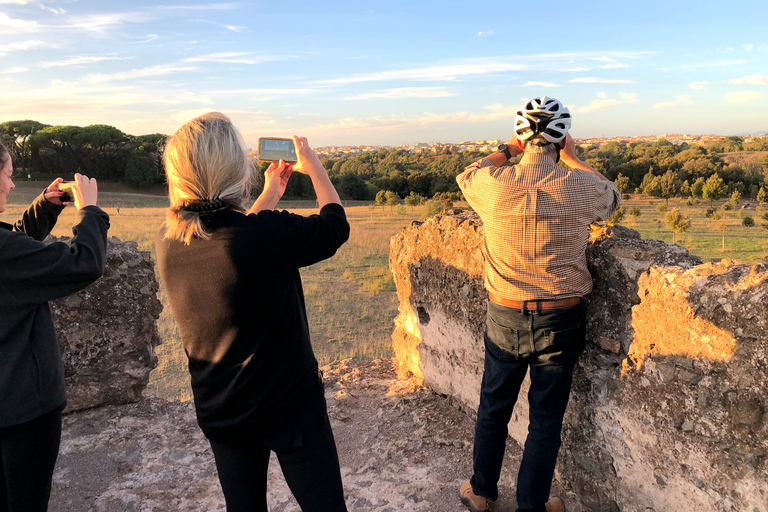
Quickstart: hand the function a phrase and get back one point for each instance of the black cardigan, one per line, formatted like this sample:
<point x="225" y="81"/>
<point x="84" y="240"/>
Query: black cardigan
<point x="239" y="305"/>
<point x="31" y="274"/>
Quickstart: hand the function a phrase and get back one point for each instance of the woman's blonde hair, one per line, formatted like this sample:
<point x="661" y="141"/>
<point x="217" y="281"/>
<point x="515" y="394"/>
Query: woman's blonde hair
<point x="206" y="164"/>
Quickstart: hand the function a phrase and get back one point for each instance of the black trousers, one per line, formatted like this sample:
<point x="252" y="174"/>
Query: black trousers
<point x="549" y="343"/>
<point x="307" y="454"/>
<point x="28" y="455"/>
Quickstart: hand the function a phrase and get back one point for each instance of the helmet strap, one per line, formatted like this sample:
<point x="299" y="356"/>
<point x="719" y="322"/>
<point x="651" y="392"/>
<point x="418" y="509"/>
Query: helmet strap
<point x="520" y="144"/>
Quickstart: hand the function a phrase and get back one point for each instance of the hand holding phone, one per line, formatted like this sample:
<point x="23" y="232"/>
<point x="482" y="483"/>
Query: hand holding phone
<point x="273" y="149"/>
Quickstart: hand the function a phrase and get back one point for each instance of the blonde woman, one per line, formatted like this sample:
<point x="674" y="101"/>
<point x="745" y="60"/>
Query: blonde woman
<point x="232" y="278"/>
<point x="32" y="273"/>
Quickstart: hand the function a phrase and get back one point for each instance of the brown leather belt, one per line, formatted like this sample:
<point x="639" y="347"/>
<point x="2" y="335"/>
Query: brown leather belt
<point x="535" y="305"/>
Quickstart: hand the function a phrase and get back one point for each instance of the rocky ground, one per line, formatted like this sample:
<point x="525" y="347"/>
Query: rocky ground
<point x="400" y="448"/>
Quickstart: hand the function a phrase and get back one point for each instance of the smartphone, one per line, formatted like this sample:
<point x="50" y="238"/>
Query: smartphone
<point x="66" y="188"/>
<point x="272" y="149"/>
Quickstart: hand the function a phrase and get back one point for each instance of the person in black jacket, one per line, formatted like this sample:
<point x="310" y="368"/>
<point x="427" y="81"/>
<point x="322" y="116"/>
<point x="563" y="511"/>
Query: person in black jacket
<point x="233" y="284"/>
<point x="31" y="371"/>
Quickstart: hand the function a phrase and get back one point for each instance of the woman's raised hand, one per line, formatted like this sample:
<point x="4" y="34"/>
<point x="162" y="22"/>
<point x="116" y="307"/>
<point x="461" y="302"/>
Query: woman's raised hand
<point x="308" y="161"/>
<point x="276" y="177"/>
<point x="52" y="193"/>
<point x="85" y="191"/>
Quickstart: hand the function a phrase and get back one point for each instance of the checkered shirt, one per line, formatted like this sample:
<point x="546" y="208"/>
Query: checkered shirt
<point x="536" y="219"/>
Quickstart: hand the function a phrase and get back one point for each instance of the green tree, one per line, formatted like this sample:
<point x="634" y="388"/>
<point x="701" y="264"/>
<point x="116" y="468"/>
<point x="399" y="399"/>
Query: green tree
<point x="352" y="186"/>
<point x="685" y="189"/>
<point x="697" y="189"/>
<point x="141" y="172"/>
<point x="622" y="183"/>
<point x="735" y="198"/>
<point x="413" y="199"/>
<point x="677" y="222"/>
<point x="714" y="188"/>
<point x="617" y="216"/>
<point x="748" y="221"/>
<point x="761" y="195"/>
<point x="381" y="197"/>
<point x="391" y="198"/>
<point x="668" y="186"/>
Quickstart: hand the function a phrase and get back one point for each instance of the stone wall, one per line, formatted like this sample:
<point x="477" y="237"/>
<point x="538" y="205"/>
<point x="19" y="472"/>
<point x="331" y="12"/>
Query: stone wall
<point x="668" y="409"/>
<point x="107" y="332"/>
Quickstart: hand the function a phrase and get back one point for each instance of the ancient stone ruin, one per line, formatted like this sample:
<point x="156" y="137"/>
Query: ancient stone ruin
<point x="668" y="410"/>
<point x="107" y="332"/>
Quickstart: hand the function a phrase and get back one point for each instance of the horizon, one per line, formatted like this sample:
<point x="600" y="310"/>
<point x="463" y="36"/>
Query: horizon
<point x="387" y="75"/>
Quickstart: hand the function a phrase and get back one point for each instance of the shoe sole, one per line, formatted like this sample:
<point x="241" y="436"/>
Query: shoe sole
<point x="472" y="507"/>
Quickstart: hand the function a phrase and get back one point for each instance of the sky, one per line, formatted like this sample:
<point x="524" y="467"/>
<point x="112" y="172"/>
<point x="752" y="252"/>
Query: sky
<point x="386" y="73"/>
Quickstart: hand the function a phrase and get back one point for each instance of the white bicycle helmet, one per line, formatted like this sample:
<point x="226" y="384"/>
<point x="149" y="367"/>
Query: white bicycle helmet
<point x="542" y="118"/>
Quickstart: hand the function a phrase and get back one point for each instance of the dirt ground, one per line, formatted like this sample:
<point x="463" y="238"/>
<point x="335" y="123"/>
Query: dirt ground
<point x="400" y="449"/>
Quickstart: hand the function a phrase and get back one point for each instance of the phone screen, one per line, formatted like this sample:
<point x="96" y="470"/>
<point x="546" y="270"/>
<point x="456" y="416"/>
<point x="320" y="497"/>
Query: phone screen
<point x="273" y="150"/>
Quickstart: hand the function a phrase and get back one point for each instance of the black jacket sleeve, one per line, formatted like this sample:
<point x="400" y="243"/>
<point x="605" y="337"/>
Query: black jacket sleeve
<point x="33" y="272"/>
<point x="303" y="241"/>
<point x="39" y="219"/>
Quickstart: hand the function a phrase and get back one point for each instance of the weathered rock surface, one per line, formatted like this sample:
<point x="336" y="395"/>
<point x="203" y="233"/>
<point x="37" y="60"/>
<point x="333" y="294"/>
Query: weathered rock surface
<point x="107" y="332"/>
<point x="668" y="409"/>
<point x="400" y="448"/>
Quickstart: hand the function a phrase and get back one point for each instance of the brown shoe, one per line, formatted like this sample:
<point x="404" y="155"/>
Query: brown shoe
<point x="473" y="501"/>
<point x="555" y="504"/>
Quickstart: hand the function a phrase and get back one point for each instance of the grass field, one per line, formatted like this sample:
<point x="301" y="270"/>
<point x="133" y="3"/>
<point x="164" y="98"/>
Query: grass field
<point x="351" y="298"/>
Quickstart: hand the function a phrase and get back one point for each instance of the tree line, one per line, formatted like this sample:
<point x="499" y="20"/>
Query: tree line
<point x="658" y="169"/>
<point x="100" y="151"/>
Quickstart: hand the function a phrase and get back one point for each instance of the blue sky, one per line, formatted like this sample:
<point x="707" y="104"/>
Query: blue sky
<point x="386" y="72"/>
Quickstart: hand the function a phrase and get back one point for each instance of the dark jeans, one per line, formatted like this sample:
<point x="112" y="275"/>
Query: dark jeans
<point x="28" y="455"/>
<point x="307" y="454"/>
<point x="549" y="342"/>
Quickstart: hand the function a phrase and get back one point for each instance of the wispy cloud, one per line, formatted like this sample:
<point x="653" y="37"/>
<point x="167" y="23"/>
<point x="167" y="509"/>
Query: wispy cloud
<point x="236" y="58"/>
<point x="540" y="84"/>
<point x="748" y="47"/>
<point x="103" y="23"/>
<point x="75" y="61"/>
<point x="20" y="46"/>
<point x="202" y="7"/>
<point x="614" y="66"/>
<point x="435" y="73"/>
<point x="163" y="69"/>
<point x="16" y="70"/>
<point x="384" y="124"/>
<point x="742" y="96"/>
<point x="751" y="80"/>
<point x="486" y="33"/>
<point x="683" y="99"/>
<point x="697" y="86"/>
<point x="233" y="28"/>
<point x="594" y="80"/>
<point x="715" y="64"/>
<point x="405" y="92"/>
<point x="604" y="101"/>
<point x="15" y="26"/>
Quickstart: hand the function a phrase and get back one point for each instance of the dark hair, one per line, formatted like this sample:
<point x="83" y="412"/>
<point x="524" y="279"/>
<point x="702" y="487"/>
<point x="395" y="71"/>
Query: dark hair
<point x="4" y="155"/>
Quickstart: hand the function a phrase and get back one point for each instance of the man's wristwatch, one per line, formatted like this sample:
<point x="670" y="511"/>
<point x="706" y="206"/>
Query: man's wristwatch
<point x="503" y="148"/>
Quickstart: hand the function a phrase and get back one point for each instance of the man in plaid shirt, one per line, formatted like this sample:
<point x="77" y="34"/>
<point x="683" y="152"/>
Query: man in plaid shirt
<point x="536" y="219"/>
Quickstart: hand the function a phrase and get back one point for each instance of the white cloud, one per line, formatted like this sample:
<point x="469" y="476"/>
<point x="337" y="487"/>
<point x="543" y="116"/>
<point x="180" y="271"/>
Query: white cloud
<point x="748" y="47"/>
<point x="17" y="2"/>
<point x="485" y="33"/>
<point x="604" y="101"/>
<point x="715" y="64"/>
<point x="380" y="124"/>
<point x="74" y="61"/>
<point x="235" y="58"/>
<point x="13" y="25"/>
<point x="102" y="23"/>
<point x="451" y="72"/>
<point x="163" y="69"/>
<point x="593" y="80"/>
<point x="202" y="7"/>
<point x="540" y="84"/>
<point x="605" y="59"/>
<point x="697" y="86"/>
<point x="751" y="79"/>
<point x="16" y="70"/>
<point x="683" y="99"/>
<point x="742" y="96"/>
<point x="405" y="92"/>
<point x="20" y="46"/>
<point x="614" y="66"/>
